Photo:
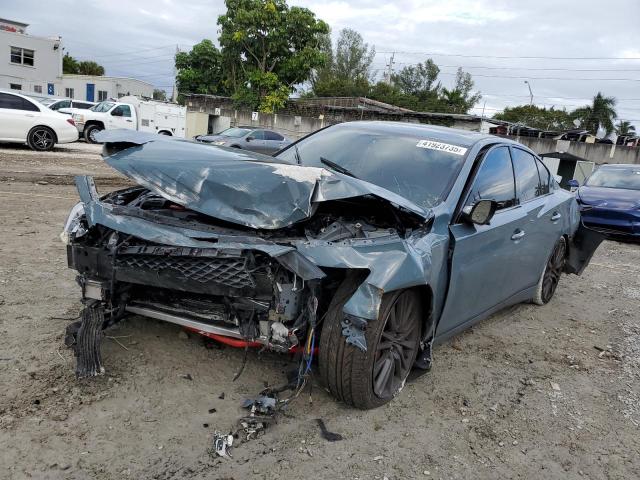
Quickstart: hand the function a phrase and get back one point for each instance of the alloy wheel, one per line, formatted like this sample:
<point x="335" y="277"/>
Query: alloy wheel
<point x="43" y="139"/>
<point x="554" y="268"/>
<point x="396" y="349"/>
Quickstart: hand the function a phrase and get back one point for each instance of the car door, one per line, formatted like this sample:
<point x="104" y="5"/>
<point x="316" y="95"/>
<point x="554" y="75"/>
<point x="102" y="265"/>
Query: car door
<point x="17" y="117"/>
<point x="255" y="141"/>
<point x="120" y="117"/>
<point x="541" y="224"/>
<point x="273" y="141"/>
<point x="482" y="259"/>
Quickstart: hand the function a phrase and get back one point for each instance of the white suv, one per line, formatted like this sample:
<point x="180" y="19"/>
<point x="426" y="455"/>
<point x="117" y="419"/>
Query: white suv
<point x="23" y="120"/>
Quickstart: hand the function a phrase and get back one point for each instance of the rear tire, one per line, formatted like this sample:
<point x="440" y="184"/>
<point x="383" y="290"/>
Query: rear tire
<point x="90" y="132"/>
<point x="164" y="132"/>
<point x="370" y="379"/>
<point x="41" y="139"/>
<point x="550" y="277"/>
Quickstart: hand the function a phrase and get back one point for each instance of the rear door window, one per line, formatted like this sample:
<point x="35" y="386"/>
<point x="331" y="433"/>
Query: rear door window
<point x="269" y="135"/>
<point x="545" y="178"/>
<point x="526" y="172"/>
<point x="14" y="102"/>
<point x="494" y="180"/>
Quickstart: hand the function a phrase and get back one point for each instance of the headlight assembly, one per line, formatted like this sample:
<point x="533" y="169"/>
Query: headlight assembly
<point x="73" y="227"/>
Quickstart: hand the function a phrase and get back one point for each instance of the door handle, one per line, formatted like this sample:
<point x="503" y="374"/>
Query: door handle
<point x="29" y="115"/>
<point x="517" y="235"/>
<point x="129" y="121"/>
<point x="556" y="216"/>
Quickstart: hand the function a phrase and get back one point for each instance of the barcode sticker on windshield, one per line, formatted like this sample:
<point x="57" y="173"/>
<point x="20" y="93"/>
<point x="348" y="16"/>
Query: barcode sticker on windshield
<point x="443" y="147"/>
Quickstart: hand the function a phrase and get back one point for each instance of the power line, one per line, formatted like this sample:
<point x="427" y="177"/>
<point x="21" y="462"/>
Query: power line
<point x="525" y="68"/>
<point x="526" y="57"/>
<point x="127" y="53"/>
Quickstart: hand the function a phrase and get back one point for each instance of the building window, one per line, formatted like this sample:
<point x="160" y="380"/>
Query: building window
<point x="15" y="86"/>
<point x="68" y="92"/>
<point x="102" y="95"/>
<point x="22" y="56"/>
<point x="37" y="88"/>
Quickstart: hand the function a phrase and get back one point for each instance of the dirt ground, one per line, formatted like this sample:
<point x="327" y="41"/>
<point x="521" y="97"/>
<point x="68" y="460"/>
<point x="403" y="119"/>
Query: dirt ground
<point x="533" y="392"/>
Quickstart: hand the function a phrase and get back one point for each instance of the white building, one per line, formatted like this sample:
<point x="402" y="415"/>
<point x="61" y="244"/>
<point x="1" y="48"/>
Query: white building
<point x="30" y="64"/>
<point x="34" y="66"/>
<point x="98" y="88"/>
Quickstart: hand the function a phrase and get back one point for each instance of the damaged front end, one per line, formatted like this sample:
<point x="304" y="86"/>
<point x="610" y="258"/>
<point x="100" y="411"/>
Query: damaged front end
<point x="137" y="252"/>
<point x="233" y="286"/>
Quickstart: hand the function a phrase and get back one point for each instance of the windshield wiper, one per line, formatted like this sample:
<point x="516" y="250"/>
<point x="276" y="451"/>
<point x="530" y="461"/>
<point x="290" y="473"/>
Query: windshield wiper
<point x="336" y="167"/>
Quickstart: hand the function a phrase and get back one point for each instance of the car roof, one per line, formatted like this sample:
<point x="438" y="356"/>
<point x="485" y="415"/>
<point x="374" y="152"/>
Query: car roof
<point x="464" y="138"/>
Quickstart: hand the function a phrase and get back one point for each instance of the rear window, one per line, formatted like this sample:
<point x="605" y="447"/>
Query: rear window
<point x="526" y="172"/>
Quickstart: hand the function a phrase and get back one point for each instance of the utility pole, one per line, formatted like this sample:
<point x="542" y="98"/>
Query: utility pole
<point x="530" y="93"/>
<point x="174" y="94"/>
<point x="389" y="71"/>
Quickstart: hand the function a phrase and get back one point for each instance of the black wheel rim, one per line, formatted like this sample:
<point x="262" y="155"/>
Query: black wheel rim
<point x="42" y="139"/>
<point x="397" y="347"/>
<point x="555" y="266"/>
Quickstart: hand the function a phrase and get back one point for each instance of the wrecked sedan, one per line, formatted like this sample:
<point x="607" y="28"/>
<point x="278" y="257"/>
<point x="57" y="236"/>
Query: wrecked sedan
<point x="363" y="244"/>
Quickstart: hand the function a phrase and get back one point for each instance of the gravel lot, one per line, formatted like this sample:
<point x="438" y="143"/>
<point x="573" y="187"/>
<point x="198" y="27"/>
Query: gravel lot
<point x="533" y="392"/>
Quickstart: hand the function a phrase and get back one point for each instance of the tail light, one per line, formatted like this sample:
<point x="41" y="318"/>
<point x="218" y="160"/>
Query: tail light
<point x="70" y="120"/>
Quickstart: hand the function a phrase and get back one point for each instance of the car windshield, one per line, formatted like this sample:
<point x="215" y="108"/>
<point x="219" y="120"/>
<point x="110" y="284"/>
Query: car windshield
<point x="234" y="132"/>
<point x="399" y="159"/>
<point x="48" y="101"/>
<point x="102" y="107"/>
<point x="619" y="177"/>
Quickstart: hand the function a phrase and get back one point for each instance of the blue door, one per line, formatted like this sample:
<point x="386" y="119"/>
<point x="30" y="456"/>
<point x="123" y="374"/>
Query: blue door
<point x="90" y="91"/>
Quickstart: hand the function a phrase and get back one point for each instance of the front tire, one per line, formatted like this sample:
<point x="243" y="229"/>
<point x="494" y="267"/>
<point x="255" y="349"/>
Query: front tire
<point x="370" y="379"/>
<point x="90" y="133"/>
<point x="41" y="139"/>
<point x="550" y="277"/>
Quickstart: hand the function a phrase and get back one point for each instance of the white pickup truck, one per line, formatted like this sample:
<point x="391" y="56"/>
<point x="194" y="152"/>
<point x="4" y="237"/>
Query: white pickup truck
<point x="131" y="113"/>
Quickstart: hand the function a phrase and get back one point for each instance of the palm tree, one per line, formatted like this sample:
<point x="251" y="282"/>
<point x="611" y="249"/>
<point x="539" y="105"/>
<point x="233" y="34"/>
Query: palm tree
<point x="625" y="128"/>
<point x="601" y="113"/>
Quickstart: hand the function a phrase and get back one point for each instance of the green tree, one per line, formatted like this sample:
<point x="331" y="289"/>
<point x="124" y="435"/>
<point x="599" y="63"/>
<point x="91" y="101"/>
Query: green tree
<point x="159" y="94"/>
<point x="536" y="117"/>
<point x="85" y="67"/>
<point x="347" y="71"/>
<point x="88" y="67"/>
<point x="418" y="79"/>
<point x="625" y="128"/>
<point x="69" y="64"/>
<point x="200" y="70"/>
<point x="460" y="98"/>
<point x="601" y="113"/>
<point x="267" y="48"/>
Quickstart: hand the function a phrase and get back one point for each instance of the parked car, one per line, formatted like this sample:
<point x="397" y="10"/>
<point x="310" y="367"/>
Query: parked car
<point x="247" y="138"/>
<point x="63" y="104"/>
<point x="23" y="120"/>
<point x="131" y="113"/>
<point x="610" y="201"/>
<point x="370" y="241"/>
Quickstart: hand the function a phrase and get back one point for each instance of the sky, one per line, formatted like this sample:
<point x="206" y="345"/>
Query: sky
<point x="567" y="50"/>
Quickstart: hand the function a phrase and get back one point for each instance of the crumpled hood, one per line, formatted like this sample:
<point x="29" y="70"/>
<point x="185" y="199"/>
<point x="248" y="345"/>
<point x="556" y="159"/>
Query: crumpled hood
<point x="234" y="185"/>
<point x="617" y="198"/>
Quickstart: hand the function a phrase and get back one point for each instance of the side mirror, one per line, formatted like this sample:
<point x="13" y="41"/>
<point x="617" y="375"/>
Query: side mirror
<point x="250" y="138"/>
<point x="480" y="213"/>
<point x="573" y="183"/>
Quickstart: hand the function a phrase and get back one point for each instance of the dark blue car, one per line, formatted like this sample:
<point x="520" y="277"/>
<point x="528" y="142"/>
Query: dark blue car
<point x="610" y="201"/>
